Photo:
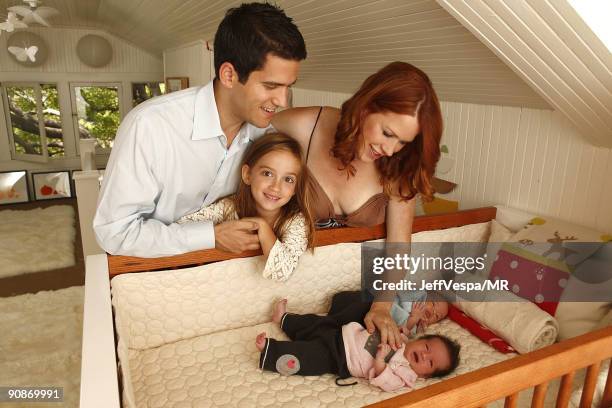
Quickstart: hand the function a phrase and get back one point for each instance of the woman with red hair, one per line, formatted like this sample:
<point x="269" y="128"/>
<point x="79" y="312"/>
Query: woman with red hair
<point x="370" y="159"/>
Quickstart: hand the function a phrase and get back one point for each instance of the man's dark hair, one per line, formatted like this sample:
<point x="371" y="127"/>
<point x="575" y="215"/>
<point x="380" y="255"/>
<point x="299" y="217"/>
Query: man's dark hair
<point x="453" y="352"/>
<point x="249" y="32"/>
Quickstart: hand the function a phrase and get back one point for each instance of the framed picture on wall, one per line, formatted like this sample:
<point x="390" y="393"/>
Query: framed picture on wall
<point x="51" y="185"/>
<point x="14" y="187"/>
<point x="176" y="83"/>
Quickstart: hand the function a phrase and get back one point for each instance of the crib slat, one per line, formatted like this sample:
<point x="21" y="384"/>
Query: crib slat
<point x="606" y="399"/>
<point x="539" y="393"/>
<point x="565" y="390"/>
<point x="511" y="401"/>
<point x="586" y="400"/>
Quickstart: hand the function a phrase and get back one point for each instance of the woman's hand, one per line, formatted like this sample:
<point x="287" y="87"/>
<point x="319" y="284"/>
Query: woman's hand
<point x="379" y="317"/>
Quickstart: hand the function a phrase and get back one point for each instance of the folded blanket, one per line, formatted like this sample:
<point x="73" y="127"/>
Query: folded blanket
<point x="522" y="324"/>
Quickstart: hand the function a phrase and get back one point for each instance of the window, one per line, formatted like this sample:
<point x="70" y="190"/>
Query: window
<point x="96" y="112"/>
<point x="34" y="121"/>
<point x="142" y="91"/>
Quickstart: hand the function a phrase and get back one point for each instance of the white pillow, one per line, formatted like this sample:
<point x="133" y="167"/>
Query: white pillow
<point x="513" y="218"/>
<point x="499" y="233"/>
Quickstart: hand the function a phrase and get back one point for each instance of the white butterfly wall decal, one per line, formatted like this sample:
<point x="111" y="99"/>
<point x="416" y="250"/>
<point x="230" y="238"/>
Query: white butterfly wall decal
<point x="11" y="23"/>
<point x="23" y="54"/>
<point x="34" y="14"/>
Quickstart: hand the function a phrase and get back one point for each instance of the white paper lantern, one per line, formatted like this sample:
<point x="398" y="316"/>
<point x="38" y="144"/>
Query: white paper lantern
<point x="94" y="50"/>
<point x="26" y="39"/>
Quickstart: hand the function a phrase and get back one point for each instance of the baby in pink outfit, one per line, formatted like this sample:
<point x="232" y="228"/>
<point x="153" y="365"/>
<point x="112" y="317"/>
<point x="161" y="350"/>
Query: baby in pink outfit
<point x="337" y="344"/>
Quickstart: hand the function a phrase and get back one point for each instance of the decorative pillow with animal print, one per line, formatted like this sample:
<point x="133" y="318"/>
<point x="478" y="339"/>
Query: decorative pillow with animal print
<point x="539" y="261"/>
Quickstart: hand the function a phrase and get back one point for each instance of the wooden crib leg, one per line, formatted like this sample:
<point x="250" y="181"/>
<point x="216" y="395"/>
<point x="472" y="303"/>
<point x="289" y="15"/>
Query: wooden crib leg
<point x="565" y="390"/>
<point x="511" y="401"/>
<point x="606" y="399"/>
<point x="586" y="400"/>
<point x="539" y="393"/>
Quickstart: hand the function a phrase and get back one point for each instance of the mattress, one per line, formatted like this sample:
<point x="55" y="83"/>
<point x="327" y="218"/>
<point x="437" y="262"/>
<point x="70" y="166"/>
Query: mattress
<point x="221" y="370"/>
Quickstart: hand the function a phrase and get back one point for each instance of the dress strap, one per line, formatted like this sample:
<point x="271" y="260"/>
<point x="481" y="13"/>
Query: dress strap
<point x="312" y="133"/>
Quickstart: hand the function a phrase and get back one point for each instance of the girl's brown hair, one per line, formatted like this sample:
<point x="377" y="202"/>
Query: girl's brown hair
<point x="301" y="202"/>
<point x="404" y="89"/>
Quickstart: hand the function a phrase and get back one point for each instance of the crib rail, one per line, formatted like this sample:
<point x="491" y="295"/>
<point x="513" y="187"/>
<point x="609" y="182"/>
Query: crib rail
<point x="506" y="379"/>
<point x="124" y="264"/>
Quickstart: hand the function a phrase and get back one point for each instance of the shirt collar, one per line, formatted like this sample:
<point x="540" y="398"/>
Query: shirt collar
<point x="206" y="123"/>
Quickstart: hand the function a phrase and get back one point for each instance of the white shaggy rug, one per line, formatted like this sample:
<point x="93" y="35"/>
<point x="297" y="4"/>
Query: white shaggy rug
<point x="40" y="344"/>
<point x="36" y="240"/>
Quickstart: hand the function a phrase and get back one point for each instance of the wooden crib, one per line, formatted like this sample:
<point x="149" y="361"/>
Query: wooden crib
<point x="474" y="389"/>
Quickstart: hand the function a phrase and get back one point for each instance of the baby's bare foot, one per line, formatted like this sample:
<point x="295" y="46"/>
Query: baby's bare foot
<point x="260" y="341"/>
<point x="279" y="310"/>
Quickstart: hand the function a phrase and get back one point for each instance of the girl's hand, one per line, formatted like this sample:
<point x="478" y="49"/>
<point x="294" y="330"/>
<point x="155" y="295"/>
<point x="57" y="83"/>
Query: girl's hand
<point x="265" y="234"/>
<point x="256" y="220"/>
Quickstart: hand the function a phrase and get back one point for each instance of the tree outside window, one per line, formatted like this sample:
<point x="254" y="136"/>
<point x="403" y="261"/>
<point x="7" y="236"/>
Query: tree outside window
<point x="98" y="113"/>
<point x="25" y="103"/>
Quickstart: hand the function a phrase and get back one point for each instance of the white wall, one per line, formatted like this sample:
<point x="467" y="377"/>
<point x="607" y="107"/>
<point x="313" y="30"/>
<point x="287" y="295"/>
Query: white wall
<point x="192" y="60"/>
<point x="525" y="158"/>
<point x="129" y="64"/>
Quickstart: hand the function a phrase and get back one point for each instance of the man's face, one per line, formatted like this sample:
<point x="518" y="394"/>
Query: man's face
<point x="266" y="90"/>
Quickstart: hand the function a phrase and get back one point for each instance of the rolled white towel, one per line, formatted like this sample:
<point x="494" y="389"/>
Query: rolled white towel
<point x="522" y="324"/>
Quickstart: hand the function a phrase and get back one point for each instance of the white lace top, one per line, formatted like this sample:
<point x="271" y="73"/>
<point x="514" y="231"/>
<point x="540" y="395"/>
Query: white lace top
<point x="287" y="249"/>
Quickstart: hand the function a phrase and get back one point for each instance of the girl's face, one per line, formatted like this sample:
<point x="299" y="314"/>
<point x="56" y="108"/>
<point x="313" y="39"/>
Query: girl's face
<point x="384" y="134"/>
<point x="272" y="179"/>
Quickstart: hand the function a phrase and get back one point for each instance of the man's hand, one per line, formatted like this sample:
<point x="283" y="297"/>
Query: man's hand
<point x="379" y="317"/>
<point x="237" y="236"/>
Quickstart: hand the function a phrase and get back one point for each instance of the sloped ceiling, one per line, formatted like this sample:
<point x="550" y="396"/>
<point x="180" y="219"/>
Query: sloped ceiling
<point x="346" y="40"/>
<point x="551" y="48"/>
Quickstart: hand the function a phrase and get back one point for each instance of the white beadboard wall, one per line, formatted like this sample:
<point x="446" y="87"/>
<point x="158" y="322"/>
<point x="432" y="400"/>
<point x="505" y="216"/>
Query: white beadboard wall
<point x="192" y="60"/>
<point x="62" y="43"/>
<point x="530" y="159"/>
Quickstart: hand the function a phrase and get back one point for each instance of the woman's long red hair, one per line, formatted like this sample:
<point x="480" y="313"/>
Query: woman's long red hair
<point x="404" y="89"/>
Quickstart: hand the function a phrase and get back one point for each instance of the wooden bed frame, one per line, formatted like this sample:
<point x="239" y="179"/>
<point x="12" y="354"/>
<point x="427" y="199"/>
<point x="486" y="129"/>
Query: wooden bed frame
<point x="474" y="389"/>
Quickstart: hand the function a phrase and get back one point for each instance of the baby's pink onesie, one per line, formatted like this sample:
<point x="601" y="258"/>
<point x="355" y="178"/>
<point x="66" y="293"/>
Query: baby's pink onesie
<point x="397" y="374"/>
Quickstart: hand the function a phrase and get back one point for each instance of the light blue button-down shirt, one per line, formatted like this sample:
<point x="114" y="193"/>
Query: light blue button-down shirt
<point x="170" y="157"/>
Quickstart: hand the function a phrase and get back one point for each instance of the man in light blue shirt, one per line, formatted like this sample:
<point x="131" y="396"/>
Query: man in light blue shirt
<point x="178" y="152"/>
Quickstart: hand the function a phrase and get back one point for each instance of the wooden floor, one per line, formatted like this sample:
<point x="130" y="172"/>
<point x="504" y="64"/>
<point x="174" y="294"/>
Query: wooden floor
<point x="47" y="280"/>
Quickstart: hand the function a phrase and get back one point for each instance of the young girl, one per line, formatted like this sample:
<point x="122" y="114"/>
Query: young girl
<point x="337" y="344"/>
<point x="274" y="193"/>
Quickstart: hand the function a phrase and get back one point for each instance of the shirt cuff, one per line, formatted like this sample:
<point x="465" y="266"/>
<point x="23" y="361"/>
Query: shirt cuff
<point x="199" y="235"/>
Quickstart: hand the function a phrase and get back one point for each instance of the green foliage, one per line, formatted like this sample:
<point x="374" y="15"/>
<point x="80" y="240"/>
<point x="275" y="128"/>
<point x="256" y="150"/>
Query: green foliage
<point x="101" y="113"/>
<point x="24" y="99"/>
<point x="100" y="117"/>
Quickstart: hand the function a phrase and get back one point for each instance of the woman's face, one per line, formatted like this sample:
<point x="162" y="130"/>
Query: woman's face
<point x="384" y="134"/>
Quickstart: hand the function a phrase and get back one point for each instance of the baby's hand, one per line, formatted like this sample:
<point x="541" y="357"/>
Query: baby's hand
<point x="418" y="310"/>
<point x="383" y="350"/>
